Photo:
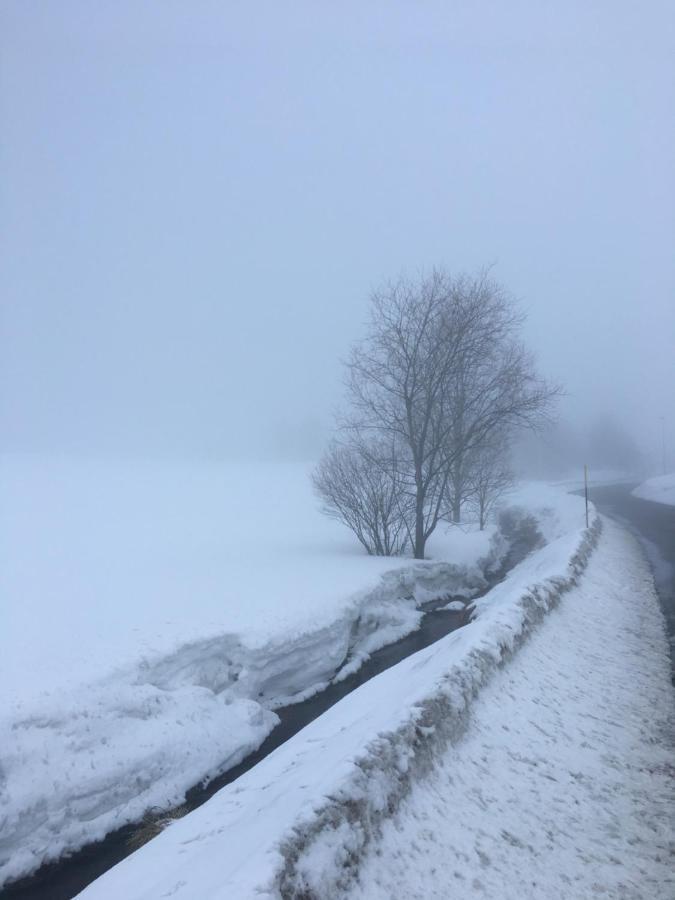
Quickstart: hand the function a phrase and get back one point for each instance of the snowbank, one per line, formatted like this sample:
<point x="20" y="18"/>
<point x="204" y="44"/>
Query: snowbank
<point x="563" y="785"/>
<point x="296" y="823"/>
<point x="150" y="628"/>
<point x="659" y="490"/>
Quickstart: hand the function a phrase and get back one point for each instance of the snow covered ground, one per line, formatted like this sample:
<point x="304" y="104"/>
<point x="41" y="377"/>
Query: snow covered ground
<point x="660" y="490"/>
<point x="563" y="785"/>
<point x="153" y="616"/>
<point x="104" y="564"/>
<point x="311" y="819"/>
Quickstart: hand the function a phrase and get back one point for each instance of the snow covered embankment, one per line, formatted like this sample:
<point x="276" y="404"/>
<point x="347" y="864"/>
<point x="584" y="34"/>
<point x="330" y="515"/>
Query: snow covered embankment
<point x="563" y="785"/>
<point x="296" y="824"/>
<point x="80" y="763"/>
<point x="658" y="490"/>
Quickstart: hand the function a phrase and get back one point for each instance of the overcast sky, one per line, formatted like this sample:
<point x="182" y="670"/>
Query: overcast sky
<point x="198" y="197"/>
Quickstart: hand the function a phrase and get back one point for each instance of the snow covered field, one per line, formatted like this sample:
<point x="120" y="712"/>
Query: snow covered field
<point x="154" y="615"/>
<point x="302" y="820"/>
<point x="555" y="781"/>
<point x="660" y="490"/>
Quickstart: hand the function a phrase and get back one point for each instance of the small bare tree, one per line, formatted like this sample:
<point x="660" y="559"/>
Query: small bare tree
<point x="491" y="476"/>
<point x="397" y="379"/>
<point x="357" y="484"/>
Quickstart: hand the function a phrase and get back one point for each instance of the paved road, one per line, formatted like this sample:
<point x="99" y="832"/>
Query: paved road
<point x="654" y="525"/>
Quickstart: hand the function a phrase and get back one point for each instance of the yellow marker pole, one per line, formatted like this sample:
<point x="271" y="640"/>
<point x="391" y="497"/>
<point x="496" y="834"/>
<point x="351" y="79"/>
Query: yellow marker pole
<point x="586" y="490"/>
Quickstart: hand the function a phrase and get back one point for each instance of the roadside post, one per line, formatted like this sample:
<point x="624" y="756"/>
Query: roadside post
<point x="586" y="490"/>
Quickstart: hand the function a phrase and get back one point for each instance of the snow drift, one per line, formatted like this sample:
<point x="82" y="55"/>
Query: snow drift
<point x="658" y="490"/>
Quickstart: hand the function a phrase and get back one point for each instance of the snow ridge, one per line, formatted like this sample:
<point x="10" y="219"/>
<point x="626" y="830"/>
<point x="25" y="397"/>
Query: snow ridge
<point x="341" y="829"/>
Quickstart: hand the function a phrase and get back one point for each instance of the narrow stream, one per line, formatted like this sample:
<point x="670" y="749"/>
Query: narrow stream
<point x="65" y="878"/>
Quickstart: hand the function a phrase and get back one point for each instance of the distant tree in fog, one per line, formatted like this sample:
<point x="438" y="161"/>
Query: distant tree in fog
<point x="611" y="447"/>
<point x="440" y="371"/>
<point x="562" y="450"/>
<point x="491" y="476"/>
<point x="554" y="452"/>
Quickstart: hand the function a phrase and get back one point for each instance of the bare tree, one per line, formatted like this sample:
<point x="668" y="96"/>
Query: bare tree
<point x="397" y="382"/>
<point x="439" y="371"/>
<point x="357" y="485"/>
<point x="495" y="387"/>
<point x="460" y="488"/>
<point x="491" y="476"/>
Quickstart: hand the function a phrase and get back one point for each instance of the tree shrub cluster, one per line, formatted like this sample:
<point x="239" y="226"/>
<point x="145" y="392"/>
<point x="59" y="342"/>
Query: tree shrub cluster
<point x="435" y="390"/>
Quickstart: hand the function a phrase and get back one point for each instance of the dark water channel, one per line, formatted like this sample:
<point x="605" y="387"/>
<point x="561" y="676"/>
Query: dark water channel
<point x="68" y="876"/>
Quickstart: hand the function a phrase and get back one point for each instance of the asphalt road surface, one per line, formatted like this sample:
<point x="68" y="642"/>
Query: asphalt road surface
<point x="654" y="525"/>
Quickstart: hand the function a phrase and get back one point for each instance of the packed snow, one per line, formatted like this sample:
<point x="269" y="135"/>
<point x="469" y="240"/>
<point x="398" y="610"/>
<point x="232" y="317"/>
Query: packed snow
<point x="154" y="616"/>
<point x="563" y="785"/>
<point x="299" y="822"/>
<point x="659" y="490"/>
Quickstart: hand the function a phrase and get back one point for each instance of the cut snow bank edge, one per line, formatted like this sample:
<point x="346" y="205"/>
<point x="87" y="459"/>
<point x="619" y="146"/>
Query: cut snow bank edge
<point x="340" y="831"/>
<point x="79" y="766"/>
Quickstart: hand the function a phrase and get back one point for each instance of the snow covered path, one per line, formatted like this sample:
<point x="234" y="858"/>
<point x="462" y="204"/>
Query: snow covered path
<point x="563" y="784"/>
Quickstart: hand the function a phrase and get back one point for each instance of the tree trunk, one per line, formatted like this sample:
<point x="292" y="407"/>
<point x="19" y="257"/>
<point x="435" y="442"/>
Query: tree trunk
<point x="456" y="510"/>
<point x="419" y="532"/>
<point x="419" y="519"/>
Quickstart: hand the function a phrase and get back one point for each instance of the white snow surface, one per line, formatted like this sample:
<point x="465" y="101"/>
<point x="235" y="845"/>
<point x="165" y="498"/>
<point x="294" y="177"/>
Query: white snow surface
<point x="307" y="819"/>
<point x="154" y="615"/>
<point x="659" y="490"/>
<point x="105" y="564"/>
<point x="563" y="785"/>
